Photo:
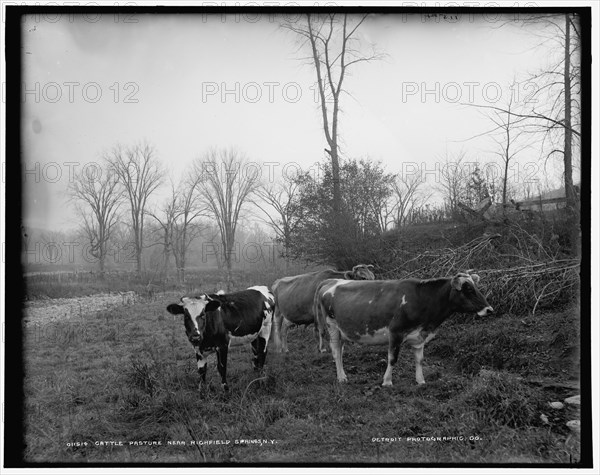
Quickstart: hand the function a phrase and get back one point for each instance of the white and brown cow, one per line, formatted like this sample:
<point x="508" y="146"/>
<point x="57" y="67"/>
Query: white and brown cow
<point x="294" y="298"/>
<point x="393" y="312"/>
<point x="214" y="322"/>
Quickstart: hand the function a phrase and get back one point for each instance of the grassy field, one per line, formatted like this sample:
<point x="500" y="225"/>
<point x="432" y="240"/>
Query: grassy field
<point x="127" y="375"/>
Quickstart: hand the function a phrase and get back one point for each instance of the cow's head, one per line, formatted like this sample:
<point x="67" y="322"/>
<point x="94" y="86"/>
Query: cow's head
<point x="465" y="297"/>
<point x="194" y="311"/>
<point x="360" y="272"/>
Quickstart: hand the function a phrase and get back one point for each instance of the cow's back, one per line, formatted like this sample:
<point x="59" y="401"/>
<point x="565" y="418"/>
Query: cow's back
<point x="294" y="296"/>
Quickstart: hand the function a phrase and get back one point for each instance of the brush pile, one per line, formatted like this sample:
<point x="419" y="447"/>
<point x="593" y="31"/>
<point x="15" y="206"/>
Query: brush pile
<point x="520" y="272"/>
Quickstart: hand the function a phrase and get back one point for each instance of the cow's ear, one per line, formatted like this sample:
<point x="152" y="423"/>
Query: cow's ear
<point x="175" y="309"/>
<point x="475" y="278"/>
<point x="212" y="306"/>
<point x="457" y="282"/>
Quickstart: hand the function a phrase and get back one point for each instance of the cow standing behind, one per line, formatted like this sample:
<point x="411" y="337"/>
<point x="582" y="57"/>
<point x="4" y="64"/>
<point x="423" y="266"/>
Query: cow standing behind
<point x="216" y="321"/>
<point x="294" y="299"/>
<point x="393" y="312"/>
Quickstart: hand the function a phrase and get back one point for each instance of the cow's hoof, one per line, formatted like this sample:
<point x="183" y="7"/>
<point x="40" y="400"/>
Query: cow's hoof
<point x="387" y="383"/>
<point x="225" y="387"/>
<point x="420" y="383"/>
<point x="343" y="380"/>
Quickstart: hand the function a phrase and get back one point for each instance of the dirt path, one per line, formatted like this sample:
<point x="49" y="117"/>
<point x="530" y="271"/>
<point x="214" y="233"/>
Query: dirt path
<point x="43" y="312"/>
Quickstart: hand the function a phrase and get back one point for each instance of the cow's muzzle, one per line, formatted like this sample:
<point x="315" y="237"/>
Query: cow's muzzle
<point x="486" y="311"/>
<point x="195" y="339"/>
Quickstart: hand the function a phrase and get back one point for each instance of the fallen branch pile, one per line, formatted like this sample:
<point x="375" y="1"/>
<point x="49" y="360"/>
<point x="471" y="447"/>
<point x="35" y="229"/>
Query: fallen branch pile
<point x="518" y="272"/>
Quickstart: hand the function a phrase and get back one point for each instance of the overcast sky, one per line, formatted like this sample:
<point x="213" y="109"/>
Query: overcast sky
<point x="186" y="83"/>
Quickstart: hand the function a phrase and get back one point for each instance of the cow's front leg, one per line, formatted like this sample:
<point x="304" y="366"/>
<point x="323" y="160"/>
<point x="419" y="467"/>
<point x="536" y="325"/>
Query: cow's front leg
<point x="393" y="350"/>
<point x="259" y="349"/>
<point x="222" y="364"/>
<point x="337" y="347"/>
<point x="201" y="364"/>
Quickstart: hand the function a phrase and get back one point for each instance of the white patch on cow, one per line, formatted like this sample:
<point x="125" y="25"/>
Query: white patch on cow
<point x="263" y="290"/>
<point x="195" y="307"/>
<point x="484" y="312"/>
<point x="201" y="363"/>
<point x="370" y="301"/>
<point x="331" y="290"/>
<point x="378" y="337"/>
<point x="404" y="302"/>
<point x="414" y="337"/>
<point x="265" y="329"/>
<point x="221" y="292"/>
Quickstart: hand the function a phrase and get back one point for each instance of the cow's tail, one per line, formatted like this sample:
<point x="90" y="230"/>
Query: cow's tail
<point x="320" y="318"/>
<point x="277" y="319"/>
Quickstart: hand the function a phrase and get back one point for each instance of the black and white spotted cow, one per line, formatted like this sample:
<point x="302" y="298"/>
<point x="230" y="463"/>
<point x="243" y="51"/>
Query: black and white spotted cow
<point x="393" y="312"/>
<point x="214" y="322"/>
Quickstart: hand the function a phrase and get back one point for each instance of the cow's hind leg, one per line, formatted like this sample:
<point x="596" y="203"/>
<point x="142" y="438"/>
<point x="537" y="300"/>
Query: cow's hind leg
<point x="418" y="347"/>
<point x="418" y="350"/>
<point x="393" y="350"/>
<point x="337" y="347"/>
<point x="285" y="325"/>
<point x="259" y="348"/>
<point x="276" y="330"/>
<point x="222" y="364"/>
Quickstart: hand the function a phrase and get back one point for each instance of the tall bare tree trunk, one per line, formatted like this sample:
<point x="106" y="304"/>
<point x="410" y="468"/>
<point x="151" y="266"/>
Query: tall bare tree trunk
<point x="569" y="189"/>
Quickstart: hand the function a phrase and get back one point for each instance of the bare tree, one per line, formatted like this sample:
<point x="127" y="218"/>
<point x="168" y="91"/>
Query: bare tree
<point x="279" y="204"/>
<point x="165" y="218"/>
<point x="225" y="183"/>
<point x="138" y="169"/>
<point x="453" y="180"/>
<point x="185" y="227"/>
<point x="556" y="97"/>
<point x="334" y="49"/>
<point x="98" y="199"/>
<point x="508" y="132"/>
<point x="407" y="196"/>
